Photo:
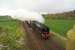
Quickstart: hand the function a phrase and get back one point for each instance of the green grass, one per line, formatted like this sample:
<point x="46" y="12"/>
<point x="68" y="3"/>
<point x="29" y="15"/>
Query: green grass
<point x="60" y="26"/>
<point x="10" y="32"/>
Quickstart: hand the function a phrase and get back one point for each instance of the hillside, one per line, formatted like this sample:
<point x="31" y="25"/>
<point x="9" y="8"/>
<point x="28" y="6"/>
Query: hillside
<point x="64" y="15"/>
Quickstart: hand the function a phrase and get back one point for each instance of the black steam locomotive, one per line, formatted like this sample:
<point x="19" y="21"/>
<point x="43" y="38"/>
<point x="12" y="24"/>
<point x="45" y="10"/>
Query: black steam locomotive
<point x="40" y="28"/>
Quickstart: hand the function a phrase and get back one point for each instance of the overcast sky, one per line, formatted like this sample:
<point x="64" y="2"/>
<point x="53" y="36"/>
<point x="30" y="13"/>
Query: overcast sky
<point x="39" y="5"/>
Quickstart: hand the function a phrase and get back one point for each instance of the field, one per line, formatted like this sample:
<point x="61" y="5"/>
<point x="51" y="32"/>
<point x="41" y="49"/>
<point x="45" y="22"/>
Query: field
<point x="9" y="33"/>
<point x="10" y="30"/>
<point x="60" y="26"/>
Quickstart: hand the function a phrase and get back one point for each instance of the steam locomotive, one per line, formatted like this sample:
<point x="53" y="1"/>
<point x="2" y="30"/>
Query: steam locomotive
<point x="40" y="28"/>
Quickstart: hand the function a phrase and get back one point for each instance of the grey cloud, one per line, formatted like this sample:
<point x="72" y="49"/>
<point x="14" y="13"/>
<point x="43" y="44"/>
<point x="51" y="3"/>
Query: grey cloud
<point x="39" y="5"/>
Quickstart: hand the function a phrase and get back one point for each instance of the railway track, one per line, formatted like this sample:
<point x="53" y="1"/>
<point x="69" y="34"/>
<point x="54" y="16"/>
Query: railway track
<point x="34" y="42"/>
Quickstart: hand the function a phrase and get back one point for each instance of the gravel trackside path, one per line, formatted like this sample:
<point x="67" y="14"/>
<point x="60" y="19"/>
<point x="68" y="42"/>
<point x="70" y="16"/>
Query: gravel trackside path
<point x="34" y="42"/>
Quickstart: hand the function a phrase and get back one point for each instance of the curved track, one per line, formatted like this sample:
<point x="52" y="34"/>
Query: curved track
<point x="34" y="42"/>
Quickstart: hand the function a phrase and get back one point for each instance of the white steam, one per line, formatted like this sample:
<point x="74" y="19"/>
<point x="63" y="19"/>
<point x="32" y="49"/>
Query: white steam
<point x="23" y="15"/>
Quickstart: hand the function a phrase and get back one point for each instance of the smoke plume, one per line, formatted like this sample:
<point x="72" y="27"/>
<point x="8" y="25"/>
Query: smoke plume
<point x="23" y="15"/>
